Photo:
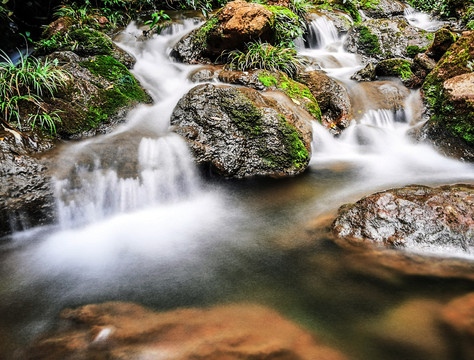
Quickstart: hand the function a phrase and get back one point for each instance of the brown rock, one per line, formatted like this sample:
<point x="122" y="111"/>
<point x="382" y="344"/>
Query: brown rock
<point x="332" y="97"/>
<point x="127" y="331"/>
<point x="460" y="89"/>
<point x="458" y="315"/>
<point x="441" y="43"/>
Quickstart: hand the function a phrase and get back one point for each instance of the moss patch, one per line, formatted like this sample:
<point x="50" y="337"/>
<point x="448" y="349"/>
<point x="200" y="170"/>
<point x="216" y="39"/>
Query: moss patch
<point x="294" y="90"/>
<point x="242" y="112"/>
<point x="295" y="154"/>
<point x="413" y="50"/>
<point x="202" y="33"/>
<point x="124" y="90"/>
<point x="368" y="41"/>
<point x="395" y="67"/>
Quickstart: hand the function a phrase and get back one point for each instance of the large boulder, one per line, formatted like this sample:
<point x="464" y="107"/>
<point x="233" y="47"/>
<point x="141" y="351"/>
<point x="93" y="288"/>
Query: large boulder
<point x="26" y="194"/>
<point x="383" y="8"/>
<point x="332" y="97"/>
<point x="117" y="330"/>
<point x="97" y="93"/>
<point x="385" y="38"/>
<point x="231" y="28"/>
<point x="449" y="95"/>
<point x="239" y="132"/>
<point x="415" y="217"/>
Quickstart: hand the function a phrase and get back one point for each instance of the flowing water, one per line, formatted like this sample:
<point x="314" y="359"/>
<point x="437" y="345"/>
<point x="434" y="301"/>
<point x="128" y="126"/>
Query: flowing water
<point x="139" y="223"/>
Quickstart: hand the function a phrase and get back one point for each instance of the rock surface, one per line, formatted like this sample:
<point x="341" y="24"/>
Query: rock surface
<point x="332" y="97"/>
<point x="458" y="315"/>
<point x="385" y="38"/>
<point x="384" y="9"/>
<point x="413" y="217"/>
<point x="231" y="28"/>
<point x="26" y="195"/>
<point x="127" y="331"/>
<point x="239" y="133"/>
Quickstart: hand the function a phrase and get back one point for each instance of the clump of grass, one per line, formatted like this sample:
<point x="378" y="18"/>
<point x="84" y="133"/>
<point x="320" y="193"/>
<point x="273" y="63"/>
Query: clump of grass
<point x="268" y="57"/>
<point x="26" y="83"/>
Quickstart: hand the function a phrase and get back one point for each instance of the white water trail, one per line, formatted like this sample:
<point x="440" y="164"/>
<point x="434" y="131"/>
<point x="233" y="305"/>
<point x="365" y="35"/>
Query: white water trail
<point x="422" y="20"/>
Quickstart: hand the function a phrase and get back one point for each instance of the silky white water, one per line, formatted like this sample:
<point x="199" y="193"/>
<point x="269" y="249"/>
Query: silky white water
<point x="139" y="223"/>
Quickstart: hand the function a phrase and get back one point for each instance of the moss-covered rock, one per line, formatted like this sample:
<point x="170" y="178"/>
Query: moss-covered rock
<point x="98" y="89"/>
<point x="443" y="39"/>
<point x="451" y="124"/>
<point x="234" y="26"/>
<point x="386" y="38"/>
<point x="238" y="132"/>
<point x="401" y="68"/>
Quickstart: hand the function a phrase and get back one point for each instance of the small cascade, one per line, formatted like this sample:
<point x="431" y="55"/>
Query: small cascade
<point x="324" y="47"/>
<point x="321" y="33"/>
<point x="165" y="173"/>
<point x="422" y="20"/>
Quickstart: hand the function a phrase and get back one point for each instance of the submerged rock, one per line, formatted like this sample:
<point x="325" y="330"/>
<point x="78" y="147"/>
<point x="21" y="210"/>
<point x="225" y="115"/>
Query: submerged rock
<point x="458" y="316"/>
<point x="117" y="330"/>
<point x="415" y="217"/>
<point x="238" y="132"/>
<point x="385" y="38"/>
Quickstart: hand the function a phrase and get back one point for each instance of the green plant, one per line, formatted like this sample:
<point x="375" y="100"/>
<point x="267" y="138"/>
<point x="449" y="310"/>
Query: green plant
<point x="288" y="26"/>
<point x="300" y="7"/>
<point x="369" y="41"/>
<point x="158" y="22"/>
<point x="265" y="56"/>
<point x="26" y="83"/>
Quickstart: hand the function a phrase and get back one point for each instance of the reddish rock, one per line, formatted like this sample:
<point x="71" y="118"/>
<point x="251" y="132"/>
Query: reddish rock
<point x="127" y="331"/>
<point x="332" y="98"/>
<point x="458" y="315"/>
<point x="413" y="216"/>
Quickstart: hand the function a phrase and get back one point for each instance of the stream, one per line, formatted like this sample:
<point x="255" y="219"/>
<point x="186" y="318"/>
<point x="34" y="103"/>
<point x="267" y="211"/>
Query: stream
<point x="139" y="223"/>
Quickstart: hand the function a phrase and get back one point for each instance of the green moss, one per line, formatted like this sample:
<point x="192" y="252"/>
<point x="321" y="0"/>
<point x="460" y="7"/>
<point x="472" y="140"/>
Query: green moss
<point x="368" y="41"/>
<point x="294" y="90"/>
<point x="413" y="50"/>
<point x="295" y="153"/>
<point x="202" y="33"/>
<point x="123" y="92"/>
<point x="242" y="112"/>
<point x="395" y="67"/>
<point x="82" y="41"/>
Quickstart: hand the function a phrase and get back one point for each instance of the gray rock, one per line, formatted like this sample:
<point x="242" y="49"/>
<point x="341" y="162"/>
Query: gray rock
<point x="238" y="132"/>
<point x="366" y="74"/>
<point x="384" y="39"/>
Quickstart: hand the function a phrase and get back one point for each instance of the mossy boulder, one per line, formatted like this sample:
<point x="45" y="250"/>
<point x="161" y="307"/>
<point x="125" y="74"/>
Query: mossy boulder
<point x="401" y="68"/>
<point x="385" y="39"/>
<point x="443" y="39"/>
<point x="448" y="94"/>
<point x="231" y="28"/>
<point x="98" y="91"/>
<point x="239" y="133"/>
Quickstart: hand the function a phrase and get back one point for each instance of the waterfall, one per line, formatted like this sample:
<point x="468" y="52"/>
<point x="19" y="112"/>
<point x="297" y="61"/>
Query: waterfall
<point x="422" y="20"/>
<point x="321" y="33"/>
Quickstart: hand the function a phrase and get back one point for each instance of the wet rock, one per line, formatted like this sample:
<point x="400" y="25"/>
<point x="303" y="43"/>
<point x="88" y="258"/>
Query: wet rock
<point x="366" y="74"/>
<point x="415" y="217"/>
<point x="235" y="25"/>
<point x="442" y="41"/>
<point x="205" y="74"/>
<point x="401" y="68"/>
<point x="341" y="20"/>
<point x="128" y="331"/>
<point x="239" y="133"/>
<point x="387" y="95"/>
<point x="245" y="78"/>
<point x="97" y="94"/>
<point x="26" y="195"/>
<point x="383" y="8"/>
<point x="332" y="97"/>
<point x="385" y="38"/>
<point x="458" y="316"/>
<point x="450" y="109"/>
